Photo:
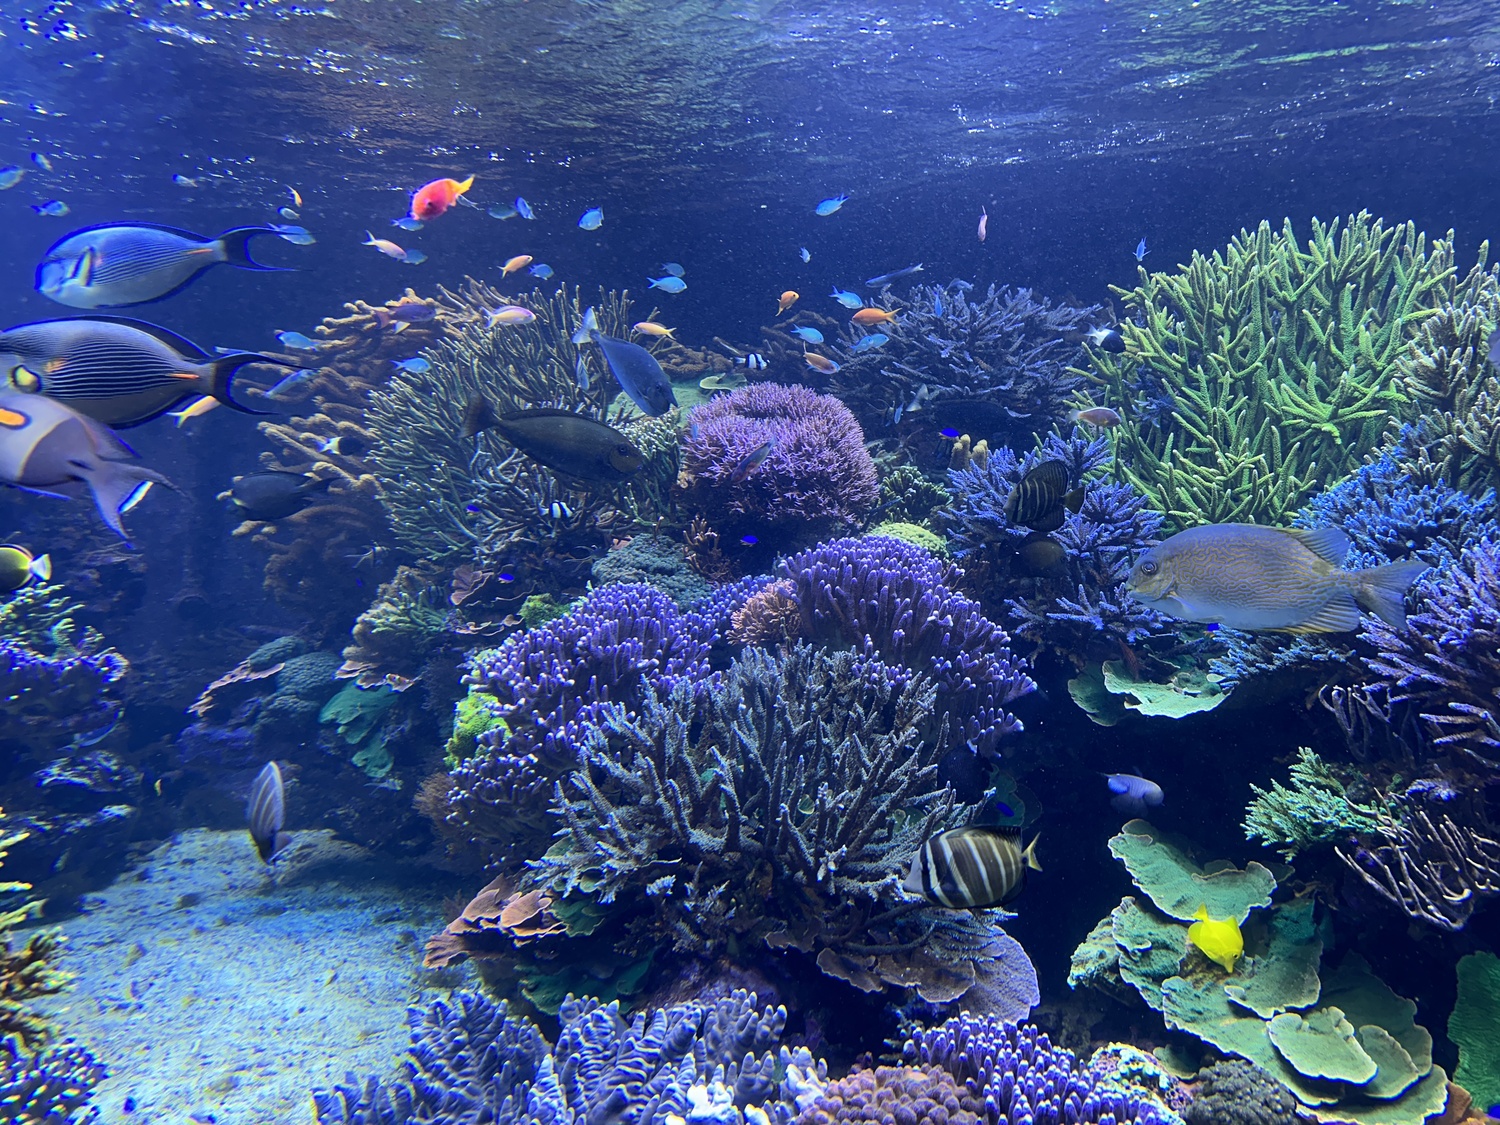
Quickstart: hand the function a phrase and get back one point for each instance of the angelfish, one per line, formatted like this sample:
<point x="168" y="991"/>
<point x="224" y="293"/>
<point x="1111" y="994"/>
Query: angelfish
<point x="267" y="813"/>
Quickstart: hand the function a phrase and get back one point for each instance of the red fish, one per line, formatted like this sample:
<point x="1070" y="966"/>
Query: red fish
<point x="431" y="200"/>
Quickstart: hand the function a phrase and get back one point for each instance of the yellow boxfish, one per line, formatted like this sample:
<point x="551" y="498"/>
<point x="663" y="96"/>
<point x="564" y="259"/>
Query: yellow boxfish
<point x="1245" y="576"/>
<point x="1220" y="940"/>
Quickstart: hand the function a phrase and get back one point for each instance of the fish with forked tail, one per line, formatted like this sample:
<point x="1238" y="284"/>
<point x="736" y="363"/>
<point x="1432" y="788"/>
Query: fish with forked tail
<point x="572" y="444"/>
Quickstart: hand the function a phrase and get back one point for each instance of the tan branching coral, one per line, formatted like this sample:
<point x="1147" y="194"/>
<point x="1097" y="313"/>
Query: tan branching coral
<point x="26" y="974"/>
<point x="495" y="921"/>
<point x="767" y="618"/>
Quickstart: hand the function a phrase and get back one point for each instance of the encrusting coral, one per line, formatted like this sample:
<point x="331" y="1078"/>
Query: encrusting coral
<point x="1277" y="361"/>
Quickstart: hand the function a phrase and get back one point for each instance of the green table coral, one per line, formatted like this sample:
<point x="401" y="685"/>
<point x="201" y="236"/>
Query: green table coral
<point x="1475" y="1027"/>
<point x="1273" y="365"/>
<point x="1178" y="887"/>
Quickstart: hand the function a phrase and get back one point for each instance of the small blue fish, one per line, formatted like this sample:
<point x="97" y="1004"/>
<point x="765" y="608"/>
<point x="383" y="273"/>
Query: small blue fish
<point x="1141" y="251"/>
<point x="414" y="366"/>
<point x="41" y="161"/>
<point x="503" y="211"/>
<point x="505" y="576"/>
<point x="287" y="213"/>
<point x="847" y="299"/>
<point x="639" y="374"/>
<point x="1133" y="795"/>
<point x="413" y="257"/>
<point x="937" y="302"/>
<point x="673" y="268"/>
<point x="183" y="181"/>
<point x="541" y="270"/>
<point x="298" y="341"/>
<point x="473" y="509"/>
<point x="949" y="433"/>
<point x="829" y="206"/>
<point x="10" y="176"/>
<point x="524" y="209"/>
<point x="291" y="383"/>
<point x="811" y="335"/>
<point x="806" y="254"/>
<point x="668" y="284"/>
<point x="870" y="342"/>
<point x="749" y="540"/>
<point x="408" y="223"/>
<point x="54" y="207"/>
<point x="592" y="219"/>
<point x="581" y="369"/>
<point x="297" y="236"/>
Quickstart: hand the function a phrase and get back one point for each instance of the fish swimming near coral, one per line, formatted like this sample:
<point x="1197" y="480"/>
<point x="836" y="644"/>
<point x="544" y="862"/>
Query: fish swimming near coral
<point x="120" y="372"/>
<point x="195" y="409"/>
<point x="19" y="566"/>
<point x="848" y="299"/>
<point x="274" y="495"/>
<point x="573" y="444"/>
<point x="1132" y="794"/>
<point x="267" y="812"/>
<point x="786" y="301"/>
<point x="639" y="374"/>
<point x="407" y="312"/>
<point x="1042" y="556"/>
<point x="1041" y="498"/>
<point x="1107" y="339"/>
<point x="972" y="868"/>
<point x="46" y="444"/>
<point x="115" y="265"/>
<point x="586" y="327"/>
<point x="1219" y="940"/>
<point x="669" y="284"/>
<point x="1100" y="416"/>
<point x="872" y="315"/>
<point x="880" y="280"/>
<point x="820" y="363"/>
<point x="432" y="199"/>
<point x="514" y="265"/>
<point x="867" y="343"/>
<point x="808" y="335"/>
<point x="385" y="246"/>
<point x="1251" y="577"/>
<point x="751" y="461"/>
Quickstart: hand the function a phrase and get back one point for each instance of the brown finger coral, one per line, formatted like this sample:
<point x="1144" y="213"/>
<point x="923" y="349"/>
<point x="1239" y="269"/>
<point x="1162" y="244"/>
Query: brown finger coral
<point x="894" y="1095"/>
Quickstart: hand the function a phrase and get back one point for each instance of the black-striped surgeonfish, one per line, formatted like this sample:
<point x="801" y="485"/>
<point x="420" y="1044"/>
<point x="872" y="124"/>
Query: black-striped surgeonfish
<point x="45" y="445"/>
<point x="972" y="868"/>
<point x="118" y="264"/>
<point x="1040" y="497"/>
<point x="120" y="372"/>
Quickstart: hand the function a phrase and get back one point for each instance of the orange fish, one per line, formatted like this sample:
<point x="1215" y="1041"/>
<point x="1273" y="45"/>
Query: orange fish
<point x="1101" y="416"/>
<point x="788" y="299"/>
<point x="871" y="315"/>
<point x="651" y="328"/>
<point x="519" y="262"/>
<point x="431" y="200"/>
<point x="820" y="363"/>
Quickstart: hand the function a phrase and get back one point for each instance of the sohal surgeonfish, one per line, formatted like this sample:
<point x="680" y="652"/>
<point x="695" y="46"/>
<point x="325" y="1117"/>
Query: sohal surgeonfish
<point x="572" y="444"/>
<point x="1041" y="498"/>
<point x="120" y="372"/>
<point x="640" y="376"/>
<point x="972" y="868"/>
<point x="45" y="444"/>
<point x="274" y="495"/>
<point x="1248" y="576"/>
<point x="119" y="264"/>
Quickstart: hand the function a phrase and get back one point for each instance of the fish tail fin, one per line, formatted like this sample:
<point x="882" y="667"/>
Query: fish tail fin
<point x="42" y="568"/>
<point x="1382" y="590"/>
<point x="315" y="484"/>
<point x="118" y="487"/>
<point x="236" y="248"/>
<point x="478" y="415"/>
<point x="461" y="186"/>
<point x="221" y="378"/>
<point x="1029" y="855"/>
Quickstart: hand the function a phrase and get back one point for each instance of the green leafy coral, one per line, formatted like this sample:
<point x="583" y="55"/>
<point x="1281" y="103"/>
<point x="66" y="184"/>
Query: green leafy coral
<point x="1277" y="361"/>
<point x="1475" y="1027"/>
<point x="1314" y="809"/>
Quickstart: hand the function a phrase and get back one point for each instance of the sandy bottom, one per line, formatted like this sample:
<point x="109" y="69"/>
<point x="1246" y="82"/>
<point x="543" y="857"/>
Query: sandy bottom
<point x="216" y="996"/>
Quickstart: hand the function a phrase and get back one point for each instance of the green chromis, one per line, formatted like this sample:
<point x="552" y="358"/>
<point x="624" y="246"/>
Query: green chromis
<point x="1245" y="576"/>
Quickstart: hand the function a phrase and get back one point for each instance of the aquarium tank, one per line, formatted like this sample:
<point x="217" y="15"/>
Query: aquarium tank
<point x="749" y="562"/>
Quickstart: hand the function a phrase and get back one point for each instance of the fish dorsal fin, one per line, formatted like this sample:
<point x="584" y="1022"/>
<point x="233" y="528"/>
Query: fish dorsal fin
<point x="1328" y="543"/>
<point x="162" y="227"/>
<point x="542" y="412"/>
<point x="178" y="343"/>
<point x="1006" y="831"/>
<point x="1340" y="615"/>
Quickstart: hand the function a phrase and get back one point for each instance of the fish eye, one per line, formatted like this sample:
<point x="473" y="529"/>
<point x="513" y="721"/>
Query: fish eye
<point x="24" y="379"/>
<point x="1149" y="568"/>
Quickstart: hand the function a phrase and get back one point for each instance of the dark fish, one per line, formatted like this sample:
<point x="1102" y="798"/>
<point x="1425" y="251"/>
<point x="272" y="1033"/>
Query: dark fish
<point x="274" y="495"/>
<point x="120" y="372"/>
<point x="1107" y="339"/>
<point x="751" y="461"/>
<point x="267" y="812"/>
<point x="570" y="443"/>
<point x="894" y="275"/>
<point x="45" y="443"/>
<point x="1040" y="497"/>
<point x="1043" y="556"/>
<point x="118" y="264"/>
<point x="1133" y="795"/>
<point x="972" y="868"/>
<point x="408" y="312"/>
<point x="640" y="376"/>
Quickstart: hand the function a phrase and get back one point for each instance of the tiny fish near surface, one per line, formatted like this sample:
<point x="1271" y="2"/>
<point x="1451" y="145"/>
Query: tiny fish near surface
<point x="972" y="868"/>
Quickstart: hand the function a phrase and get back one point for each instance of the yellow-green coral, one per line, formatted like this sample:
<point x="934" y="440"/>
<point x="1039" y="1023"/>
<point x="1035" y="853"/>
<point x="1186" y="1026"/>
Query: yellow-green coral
<point x="915" y="534"/>
<point x="472" y="717"/>
<point x="25" y="974"/>
<point x="1279" y="360"/>
<point x="1315" y="809"/>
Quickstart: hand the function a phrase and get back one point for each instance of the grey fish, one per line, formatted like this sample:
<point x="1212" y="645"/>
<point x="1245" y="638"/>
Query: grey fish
<point x="267" y="812"/>
<point x="1245" y="576"/>
<point x="114" y="265"/>
<point x="972" y="868"/>
<point x="120" y="372"/>
<point x="640" y="376"/>
<point x="573" y="444"/>
<point x="1040" y="497"/>
<point x="1043" y="556"/>
<point x="894" y="275"/>
<point x="274" y="495"/>
<point x="45" y="444"/>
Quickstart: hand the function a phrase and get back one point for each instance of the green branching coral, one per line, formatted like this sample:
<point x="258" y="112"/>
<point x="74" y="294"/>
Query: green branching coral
<point x="41" y="617"/>
<point x="1315" y="809"/>
<point x="26" y="974"/>
<point x="1254" y="377"/>
<point x="473" y="715"/>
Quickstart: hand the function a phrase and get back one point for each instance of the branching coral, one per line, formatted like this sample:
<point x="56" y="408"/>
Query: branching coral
<point x="1314" y="809"/>
<point x="815" y="480"/>
<point x="998" y="364"/>
<point x="26" y="974"/>
<point x="908" y="1095"/>
<point x="1278" y="361"/>
<point x="51" y="1087"/>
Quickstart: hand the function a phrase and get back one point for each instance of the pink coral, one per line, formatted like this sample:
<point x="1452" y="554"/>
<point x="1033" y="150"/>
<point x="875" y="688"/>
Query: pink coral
<point x="894" y="1095"/>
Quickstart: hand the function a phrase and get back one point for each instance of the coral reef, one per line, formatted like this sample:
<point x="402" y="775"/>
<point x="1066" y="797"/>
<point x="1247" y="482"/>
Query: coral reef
<point x="51" y="1087"/>
<point x="1315" y="809"/>
<point x="995" y="365"/>
<point x="26" y="974"/>
<point x="1474" y="1026"/>
<point x="910" y="1095"/>
<point x="1239" y="1093"/>
<point x="655" y="560"/>
<point x="1277" y="361"/>
<point x="817" y="479"/>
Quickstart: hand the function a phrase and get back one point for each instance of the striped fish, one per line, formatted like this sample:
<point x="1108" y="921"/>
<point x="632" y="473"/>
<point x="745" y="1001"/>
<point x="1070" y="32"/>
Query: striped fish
<point x="1040" y="497"/>
<point x="267" y="812"/>
<point x="972" y="868"/>
<point x="118" y="264"/>
<point x="117" y="371"/>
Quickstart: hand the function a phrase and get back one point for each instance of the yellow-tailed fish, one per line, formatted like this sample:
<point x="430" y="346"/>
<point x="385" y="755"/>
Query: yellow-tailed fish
<point x="651" y="328"/>
<point x="1220" y="941"/>
<point x="195" y="409"/>
<point x="786" y="301"/>
<point x="519" y="262"/>
<point x="509" y="314"/>
<point x="18" y="566"/>
<point x="1246" y="576"/>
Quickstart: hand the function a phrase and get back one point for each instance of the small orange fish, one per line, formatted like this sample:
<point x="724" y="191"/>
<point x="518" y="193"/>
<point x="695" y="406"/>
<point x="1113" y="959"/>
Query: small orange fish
<point x="519" y="262"/>
<point x="651" y="328"/>
<point x="788" y="299"/>
<point x="820" y="363"/>
<point x="431" y="200"/>
<point x="871" y="315"/>
<point x="384" y="245"/>
<point x="1101" y="416"/>
<point x="510" y="314"/>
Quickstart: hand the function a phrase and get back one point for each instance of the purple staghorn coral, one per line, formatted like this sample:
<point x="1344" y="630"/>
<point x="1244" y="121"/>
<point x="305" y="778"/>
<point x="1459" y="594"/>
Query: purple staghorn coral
<point x="817" y="478"/>
<point x="902" y="604"/>
<point x="1023" y="1078"/>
